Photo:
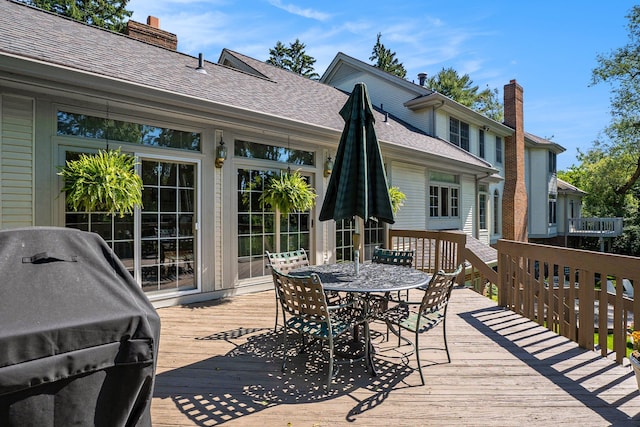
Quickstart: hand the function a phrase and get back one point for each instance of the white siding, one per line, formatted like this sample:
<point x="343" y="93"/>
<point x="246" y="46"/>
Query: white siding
<point x="16" y="162"/>
<point x="412" y="182"/>
<point x="468" y="203"/>
<point x="391" y="97"/>
<point x="538" y="193"/>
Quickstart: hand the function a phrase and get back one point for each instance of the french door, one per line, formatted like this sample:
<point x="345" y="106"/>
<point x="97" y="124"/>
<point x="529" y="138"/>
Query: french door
<point x="158" y="244"/>
<point x="261" y="229"/>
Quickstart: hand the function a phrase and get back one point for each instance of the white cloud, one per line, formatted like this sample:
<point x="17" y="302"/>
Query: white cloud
<point x="306" y="13"/>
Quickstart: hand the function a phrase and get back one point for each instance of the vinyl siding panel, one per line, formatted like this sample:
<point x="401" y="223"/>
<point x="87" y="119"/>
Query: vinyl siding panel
<point x="468" y="203"/>
<point x="16" y="162"/>
<point x="412" y="182"/>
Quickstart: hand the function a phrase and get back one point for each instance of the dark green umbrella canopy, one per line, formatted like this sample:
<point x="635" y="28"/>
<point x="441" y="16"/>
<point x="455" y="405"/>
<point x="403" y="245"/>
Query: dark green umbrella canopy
<point x="358" y="183"/>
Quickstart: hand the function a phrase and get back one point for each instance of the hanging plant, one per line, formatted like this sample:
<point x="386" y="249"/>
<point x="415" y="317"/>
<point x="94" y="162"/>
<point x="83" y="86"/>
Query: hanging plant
<point x="289" y="192"/>
<point x="397" y="199"/>
<point x="102" y="182"/>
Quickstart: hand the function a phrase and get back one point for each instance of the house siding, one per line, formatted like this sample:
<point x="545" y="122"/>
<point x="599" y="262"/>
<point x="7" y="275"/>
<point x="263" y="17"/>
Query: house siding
<point x="411" y="180"/>
<point x="467" y="208"/>
<point x="390" y="98"/>
<point x="16" y="161"/>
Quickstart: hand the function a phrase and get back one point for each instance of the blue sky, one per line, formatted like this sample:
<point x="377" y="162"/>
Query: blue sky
<point x="548" y="46"/>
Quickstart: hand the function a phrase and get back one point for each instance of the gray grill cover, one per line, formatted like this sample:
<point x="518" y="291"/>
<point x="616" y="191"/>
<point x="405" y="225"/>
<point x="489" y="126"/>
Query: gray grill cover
<point x="78" y="337"/>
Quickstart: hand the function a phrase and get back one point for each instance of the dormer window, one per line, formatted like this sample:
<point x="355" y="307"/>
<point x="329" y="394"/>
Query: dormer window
<point x="459" y="133"/>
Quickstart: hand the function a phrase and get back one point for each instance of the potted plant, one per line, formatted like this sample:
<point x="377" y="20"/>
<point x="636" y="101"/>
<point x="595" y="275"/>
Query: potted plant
<point x="397" y="198"/>
<point x="289" y="192"/>
<point x="102" y="182"/>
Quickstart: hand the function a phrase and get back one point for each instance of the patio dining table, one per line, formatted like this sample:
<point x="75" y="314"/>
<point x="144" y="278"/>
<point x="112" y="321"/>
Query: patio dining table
<point x="372" y="278"/>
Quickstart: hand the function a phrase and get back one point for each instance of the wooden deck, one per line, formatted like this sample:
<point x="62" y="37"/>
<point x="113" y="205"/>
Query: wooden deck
<point x="219" y="363"/>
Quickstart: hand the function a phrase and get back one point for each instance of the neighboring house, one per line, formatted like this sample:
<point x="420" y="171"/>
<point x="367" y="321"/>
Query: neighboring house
<point x="69" y="88"/>
<point x="521" y="201"/>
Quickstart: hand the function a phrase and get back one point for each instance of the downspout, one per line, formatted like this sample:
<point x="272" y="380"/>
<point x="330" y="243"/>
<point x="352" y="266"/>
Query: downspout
<point x="566" y="220"/>
<point x="433" y="118"/>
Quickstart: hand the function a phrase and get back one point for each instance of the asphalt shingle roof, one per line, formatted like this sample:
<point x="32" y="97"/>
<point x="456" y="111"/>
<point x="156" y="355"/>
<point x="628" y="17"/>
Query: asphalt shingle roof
<point x="33" y="34"/>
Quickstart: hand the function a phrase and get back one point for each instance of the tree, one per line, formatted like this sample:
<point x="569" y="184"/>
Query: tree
<point x="461" y="89"/>
<point x="109" y="14"/>
<point x="386" y="60"/>
<point x="621" y="69"/>
<point x="293" y="58"/>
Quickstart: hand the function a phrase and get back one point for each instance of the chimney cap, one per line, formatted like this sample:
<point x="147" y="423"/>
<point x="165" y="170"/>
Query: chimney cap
<point x="422" y="77"/>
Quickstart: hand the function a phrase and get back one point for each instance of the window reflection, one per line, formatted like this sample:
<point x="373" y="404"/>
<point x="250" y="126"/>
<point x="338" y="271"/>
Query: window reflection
<point x="74" y="124"/>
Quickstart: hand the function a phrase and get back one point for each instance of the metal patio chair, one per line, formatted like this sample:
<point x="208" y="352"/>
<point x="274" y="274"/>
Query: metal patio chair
<point x="422" y="316"/>
<point x="285" y="262"/>
<point x="379" y="303"/>
<point x="305" y="311"/>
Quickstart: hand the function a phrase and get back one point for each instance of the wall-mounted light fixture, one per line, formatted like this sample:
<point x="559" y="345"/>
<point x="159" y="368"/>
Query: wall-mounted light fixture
<point x="328" y="167"/>
<point x="221" y="153"/>
<point x="485" y="128"/>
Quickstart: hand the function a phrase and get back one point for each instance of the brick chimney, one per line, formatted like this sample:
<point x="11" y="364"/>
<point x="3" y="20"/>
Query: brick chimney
<point x="151" y="33"/>
<point x="514" y="198"/>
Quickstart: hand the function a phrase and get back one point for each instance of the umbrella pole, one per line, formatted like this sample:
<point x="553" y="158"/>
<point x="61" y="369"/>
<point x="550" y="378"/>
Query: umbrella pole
<point x="356" y="246"/>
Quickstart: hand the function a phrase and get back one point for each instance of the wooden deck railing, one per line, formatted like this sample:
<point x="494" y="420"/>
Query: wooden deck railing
<point x="480" y="276"/>
<point x="557" y="287"/>
<point x="434" y="250"/>
<point x="560" y="289"/>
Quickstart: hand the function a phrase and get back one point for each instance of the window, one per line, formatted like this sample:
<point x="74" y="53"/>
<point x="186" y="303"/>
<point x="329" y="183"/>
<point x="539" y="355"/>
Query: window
<point x="459" y="133"/>
<point x="434" y="209"/>
<point x="444" y="199"/>
<point x="374" y="233"/>
<point x="73" y="124"/>
<point x="498" y="150"/>
<point x="481" y="143"/>
<point x="552" y="209"/>
<point x="482" y="211"/>
<point x="253" y="150"/>
<point x="552" y="162"/>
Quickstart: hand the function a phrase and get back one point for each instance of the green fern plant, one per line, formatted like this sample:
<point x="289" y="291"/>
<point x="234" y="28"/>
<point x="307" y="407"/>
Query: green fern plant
<point x="102" y="182"/>
<point x="397" y="199"/>
<point x="289" y="192"/>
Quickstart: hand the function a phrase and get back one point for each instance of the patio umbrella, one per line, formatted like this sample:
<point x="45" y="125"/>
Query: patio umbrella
<point x="358" y="183"/>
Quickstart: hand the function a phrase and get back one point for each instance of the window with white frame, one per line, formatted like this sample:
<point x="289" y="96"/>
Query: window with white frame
<point x="552" y="209"/>
<point x="498" y="150"/>
<point x="459" y="133"/>
<point x="444" y="195"/>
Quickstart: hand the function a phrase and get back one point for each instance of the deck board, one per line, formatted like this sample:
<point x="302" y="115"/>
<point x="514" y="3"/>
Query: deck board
<point x="219" y="363"/>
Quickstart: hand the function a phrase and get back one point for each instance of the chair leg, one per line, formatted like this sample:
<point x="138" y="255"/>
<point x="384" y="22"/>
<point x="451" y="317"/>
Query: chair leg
<point x="367" y="348"/>
<point x="275" y="326"/>
<point x="330" y="375"/>
<point x="285" y="348"/>
<point x="417" y="344"/>
<point x="444" y="333"/>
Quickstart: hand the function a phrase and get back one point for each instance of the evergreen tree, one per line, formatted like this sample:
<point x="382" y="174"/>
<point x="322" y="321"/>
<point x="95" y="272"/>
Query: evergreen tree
<point x="386" y="60"/>
<point x="293" y="58"/>
<point x="461" y="89"/>
<point x="109" y="14"/>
